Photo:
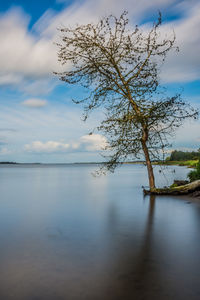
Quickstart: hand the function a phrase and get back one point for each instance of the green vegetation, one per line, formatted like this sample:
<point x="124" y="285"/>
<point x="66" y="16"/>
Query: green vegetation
<point x="174" y="185"/>
<point x="183" y="156"/>
<point x="195" y="174"/>
<point x="187" y="163"/>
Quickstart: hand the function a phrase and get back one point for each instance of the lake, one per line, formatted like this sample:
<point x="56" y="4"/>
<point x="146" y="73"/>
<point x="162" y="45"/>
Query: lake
<point x="67" y="235"/>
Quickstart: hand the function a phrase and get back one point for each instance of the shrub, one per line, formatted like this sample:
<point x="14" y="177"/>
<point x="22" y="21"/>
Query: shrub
<point x="173" y="185"/>
<point x="195" y="174"/>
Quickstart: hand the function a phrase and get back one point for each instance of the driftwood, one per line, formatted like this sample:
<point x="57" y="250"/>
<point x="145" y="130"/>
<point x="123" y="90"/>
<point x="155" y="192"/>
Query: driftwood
<point x="179" y="190"/>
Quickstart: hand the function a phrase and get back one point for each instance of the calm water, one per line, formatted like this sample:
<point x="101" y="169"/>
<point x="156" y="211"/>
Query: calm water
<point x="66" y="235"/>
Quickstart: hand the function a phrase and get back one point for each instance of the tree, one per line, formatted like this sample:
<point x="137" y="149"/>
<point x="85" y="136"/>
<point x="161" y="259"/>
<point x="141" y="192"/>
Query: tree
<point x="181" y="155"/>
<point x="119" y="66"/>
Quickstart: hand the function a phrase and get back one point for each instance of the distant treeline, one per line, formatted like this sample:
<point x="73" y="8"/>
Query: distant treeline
<point x="181" y="155"/>
<point x="7" y="162"/>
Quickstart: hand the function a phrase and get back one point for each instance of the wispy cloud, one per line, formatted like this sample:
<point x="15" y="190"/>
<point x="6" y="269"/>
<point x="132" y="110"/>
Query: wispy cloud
<point x="48" y="147"/>
<point x="23" y="55"/>
<point x="184" y="66"/>
<point x="34" y="103"/>
<point x="38" y="87"/>
<point x="26" y="55"/>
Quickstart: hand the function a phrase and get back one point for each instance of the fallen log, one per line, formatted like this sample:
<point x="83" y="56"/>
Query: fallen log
<point x="178" y="190"/>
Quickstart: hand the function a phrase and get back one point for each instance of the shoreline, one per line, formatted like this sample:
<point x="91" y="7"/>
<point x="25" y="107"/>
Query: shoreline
<point x="189" y="164"/>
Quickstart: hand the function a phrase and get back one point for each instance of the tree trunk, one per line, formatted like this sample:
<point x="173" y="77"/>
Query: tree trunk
<point x="149" y="166"/>
<point x="179" y="190"/>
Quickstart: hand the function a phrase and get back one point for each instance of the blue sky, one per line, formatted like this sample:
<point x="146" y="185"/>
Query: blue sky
<point x="38" y="121"/>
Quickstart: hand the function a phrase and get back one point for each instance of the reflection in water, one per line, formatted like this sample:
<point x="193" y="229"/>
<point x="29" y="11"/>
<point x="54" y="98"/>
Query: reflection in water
<point x="67" y="235"/>
<point x="146" y="277"/>
<point x="138" y="277"/>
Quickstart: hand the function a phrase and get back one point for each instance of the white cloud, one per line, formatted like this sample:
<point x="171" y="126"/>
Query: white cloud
<point x="35" y="103"/>
<point x="90" y="11"/>
<point x="62" y="124"/>
<point x="91" y="143"/>
<point x="26" y="55"/>
<point x="179" y="67"/>
<point x="23" y="55"/>
<point x="184" y="66"/>
<point x="48" y="147"/>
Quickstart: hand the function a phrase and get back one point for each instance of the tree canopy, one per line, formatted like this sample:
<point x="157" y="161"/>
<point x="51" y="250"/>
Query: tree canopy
<point x="119" y="65"/>
<point x="183" y="155"/>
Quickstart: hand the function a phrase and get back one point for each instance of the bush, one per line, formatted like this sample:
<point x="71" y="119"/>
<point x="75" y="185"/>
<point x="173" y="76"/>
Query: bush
<point x="195" y="175"/>
<point x="173" y="185"/>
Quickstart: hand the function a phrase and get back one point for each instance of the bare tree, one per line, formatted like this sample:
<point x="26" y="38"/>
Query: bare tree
<point x="120" y="67"/>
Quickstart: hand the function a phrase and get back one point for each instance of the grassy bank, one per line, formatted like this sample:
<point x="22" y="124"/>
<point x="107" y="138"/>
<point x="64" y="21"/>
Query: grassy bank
<point x="187" y="163"/>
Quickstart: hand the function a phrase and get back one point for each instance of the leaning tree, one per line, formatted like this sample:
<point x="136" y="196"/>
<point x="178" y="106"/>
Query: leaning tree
<point x="120" y="66"/>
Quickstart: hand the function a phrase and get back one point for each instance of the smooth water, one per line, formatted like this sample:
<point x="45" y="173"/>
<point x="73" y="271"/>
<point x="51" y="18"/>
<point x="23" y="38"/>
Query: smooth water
<point x="67" y="235"/>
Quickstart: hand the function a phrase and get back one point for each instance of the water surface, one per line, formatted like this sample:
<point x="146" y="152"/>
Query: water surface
<point x="65" y="234"/>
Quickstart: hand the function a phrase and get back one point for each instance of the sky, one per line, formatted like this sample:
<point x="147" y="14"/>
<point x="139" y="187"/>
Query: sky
<point x="38" y="120"/>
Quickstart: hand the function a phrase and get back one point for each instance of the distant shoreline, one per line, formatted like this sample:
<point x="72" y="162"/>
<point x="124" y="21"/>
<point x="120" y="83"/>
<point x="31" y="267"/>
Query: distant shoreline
<point x="64" y="163"/>
<point x="166" y="163"/>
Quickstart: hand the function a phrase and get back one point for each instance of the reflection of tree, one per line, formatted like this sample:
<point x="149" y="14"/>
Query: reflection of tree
<point x="145" y="277"/>
<point x="137" y="274"/>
